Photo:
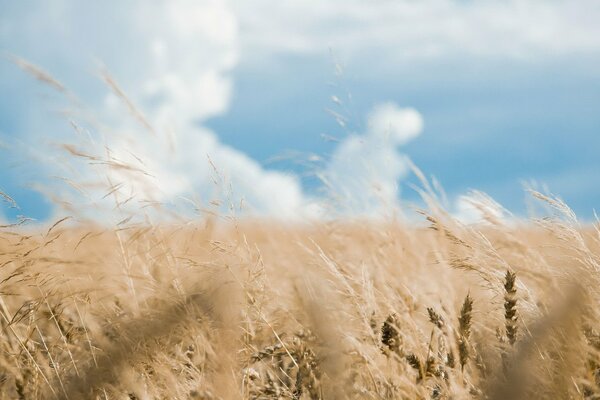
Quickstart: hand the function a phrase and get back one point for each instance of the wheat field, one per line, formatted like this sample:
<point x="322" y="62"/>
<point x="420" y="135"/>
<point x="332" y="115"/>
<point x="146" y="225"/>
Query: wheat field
<point x="329" y="310"/>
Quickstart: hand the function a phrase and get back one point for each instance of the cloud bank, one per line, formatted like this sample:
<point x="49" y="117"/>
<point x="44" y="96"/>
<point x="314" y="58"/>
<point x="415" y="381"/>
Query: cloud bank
<point x="410" y="30"/>
<point x="176" y="59"/>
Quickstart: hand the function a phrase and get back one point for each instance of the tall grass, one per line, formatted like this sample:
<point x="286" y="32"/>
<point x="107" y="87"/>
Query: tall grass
<point x="331" y="310"/>
<point x="241" y="309"/>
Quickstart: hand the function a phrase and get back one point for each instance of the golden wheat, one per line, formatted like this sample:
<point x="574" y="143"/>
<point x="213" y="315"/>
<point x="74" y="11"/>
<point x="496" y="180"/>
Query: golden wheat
<point x="273" y="311"/>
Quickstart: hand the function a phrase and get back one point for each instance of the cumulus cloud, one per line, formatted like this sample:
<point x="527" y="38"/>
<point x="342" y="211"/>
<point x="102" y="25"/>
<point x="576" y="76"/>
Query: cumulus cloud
<point x="365" y="169"/>
<point x="200" y="166"/>
<point x="395" y="125"/>
<point x="421" y="29"/>
<point x="174" y="60"/>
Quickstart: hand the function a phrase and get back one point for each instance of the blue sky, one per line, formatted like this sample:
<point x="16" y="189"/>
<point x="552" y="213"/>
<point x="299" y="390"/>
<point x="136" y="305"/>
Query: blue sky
<point x="489" y="125"/>
<point x="508" y="92"/>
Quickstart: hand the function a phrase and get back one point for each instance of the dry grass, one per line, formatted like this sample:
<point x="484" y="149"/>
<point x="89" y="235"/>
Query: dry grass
<point x="258" y="310"/>
<point x="331" y="310"/>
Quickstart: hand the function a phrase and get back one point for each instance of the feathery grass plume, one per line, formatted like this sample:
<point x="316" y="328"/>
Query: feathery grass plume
<point x="435" y="318"/>
<point x="120" y="93"/>
<point x="38" y="73"/>
<point x="7" y="199"/>
<point x="415" y="362"/>
<point x="390" y="335"/>
<point x="445" y="356"/>
<point x="510" y="306"/>
<point x="464" y="331"/>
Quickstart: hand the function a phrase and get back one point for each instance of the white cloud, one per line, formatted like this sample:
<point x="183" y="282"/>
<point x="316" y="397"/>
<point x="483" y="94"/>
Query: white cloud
<point x="174" y="60"/>
<point x="405" y="29"/>
<point x="224" y="178"/>
<point x="364" y="170"/>
<point x="395" y="125"/>
<point x="191" y="88"/>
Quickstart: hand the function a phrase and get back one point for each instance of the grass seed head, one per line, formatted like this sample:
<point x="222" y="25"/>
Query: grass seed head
<point x="510" y="306"/>
<point x="390" y="336"/>
<point x="415" y="362"/>
<point x="464" y="331"/>
<point x="435" y="318"/>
